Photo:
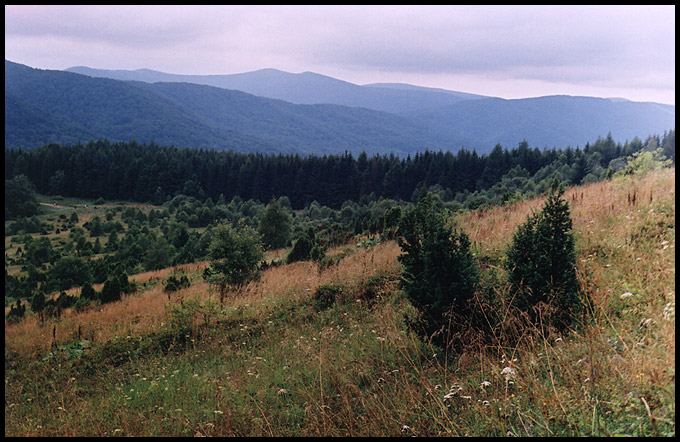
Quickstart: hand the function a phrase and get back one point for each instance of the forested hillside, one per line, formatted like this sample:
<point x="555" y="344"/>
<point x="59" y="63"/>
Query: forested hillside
<point x="43" y="106"/>
<point x="303" y="88"/>
<point x="151" y="173"/>
<point x="189" y="115"/>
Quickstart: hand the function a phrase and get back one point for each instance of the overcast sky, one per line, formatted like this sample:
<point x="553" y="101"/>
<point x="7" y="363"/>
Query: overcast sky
<point x="503" y="51"/>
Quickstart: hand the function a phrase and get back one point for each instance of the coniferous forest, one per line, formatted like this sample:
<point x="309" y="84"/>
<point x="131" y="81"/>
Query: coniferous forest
<point x="155" y="174"/>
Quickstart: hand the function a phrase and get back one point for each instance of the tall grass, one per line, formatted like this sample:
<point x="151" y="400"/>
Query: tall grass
<point x="273" y="362"/>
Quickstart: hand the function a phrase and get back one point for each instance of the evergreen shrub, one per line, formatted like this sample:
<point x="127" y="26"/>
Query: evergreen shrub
<point x="541" y="263"/>
<point x="440" y="273"/>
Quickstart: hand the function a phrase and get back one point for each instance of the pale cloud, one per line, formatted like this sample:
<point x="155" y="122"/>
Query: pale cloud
<point x="625" y="51"/>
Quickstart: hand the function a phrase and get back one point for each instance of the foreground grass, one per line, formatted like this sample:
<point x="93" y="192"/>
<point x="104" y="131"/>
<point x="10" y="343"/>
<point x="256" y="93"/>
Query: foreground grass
<point x="275" y="360"/>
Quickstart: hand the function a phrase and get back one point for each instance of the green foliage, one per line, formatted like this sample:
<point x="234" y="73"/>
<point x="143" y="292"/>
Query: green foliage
<point x="39" y="251"/>
<point x="541" y="263"/>
<point x="158" y="255"/>
<point x="439" y="271"/>
<point x="69" y="271"/>
<point x="330" y="180"/>
<point x="88" y="292"/>
<point x="38" y="303"/>
<point x="645" y="161"/>
<point x="307" y="246"/>
<point x="20" y="198"/>
<point x="275" y="225"/>
<point x="176" y="282"/>
<point x="16" y="312"/>
<point x="236" y="255"/>
<point x="114" y="286"/>
<point x="327" y="295"/>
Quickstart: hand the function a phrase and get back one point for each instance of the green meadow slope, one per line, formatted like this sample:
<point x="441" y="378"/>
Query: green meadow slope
<point x="306" y="351"/>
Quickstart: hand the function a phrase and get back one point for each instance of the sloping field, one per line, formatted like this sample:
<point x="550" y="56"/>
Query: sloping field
<point x="305" y="351"/>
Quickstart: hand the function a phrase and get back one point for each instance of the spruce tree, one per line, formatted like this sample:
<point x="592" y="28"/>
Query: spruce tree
<point x="541" y="262"/>
<point x="439" y="270"/>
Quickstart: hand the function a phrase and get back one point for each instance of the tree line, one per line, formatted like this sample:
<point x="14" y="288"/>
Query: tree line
<point x="150" y="173"/>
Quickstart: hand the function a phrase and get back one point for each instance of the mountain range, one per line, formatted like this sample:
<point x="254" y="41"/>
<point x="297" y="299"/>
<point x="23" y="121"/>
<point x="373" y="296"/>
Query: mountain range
<point x="272" y="111"/>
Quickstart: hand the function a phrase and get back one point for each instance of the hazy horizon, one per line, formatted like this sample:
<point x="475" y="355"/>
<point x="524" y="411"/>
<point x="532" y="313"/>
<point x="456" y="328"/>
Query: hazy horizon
<point x="500" y="50"/>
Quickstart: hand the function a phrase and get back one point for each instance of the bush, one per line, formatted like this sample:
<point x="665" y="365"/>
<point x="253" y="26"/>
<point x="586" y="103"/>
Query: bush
<point x="306" y="247"/>
<point x="175" y="283"/>
<point x="541" y="263"/>
<point x="236" y="257"/>
<point x="16" y="312"/>
<point x="439" y="271"/>
<point x="114" y="287"/>
<point x="326" y="295"/>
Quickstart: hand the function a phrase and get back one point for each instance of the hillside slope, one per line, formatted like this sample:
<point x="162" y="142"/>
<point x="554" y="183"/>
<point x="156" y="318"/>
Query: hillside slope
<point x="464" y="120"/>
<point x="189" y="115"/>
<point x="42" y="107"/>
<point x="274" y="361"/>
<point x="302" y="88"/>
<point x="547" y="122"/>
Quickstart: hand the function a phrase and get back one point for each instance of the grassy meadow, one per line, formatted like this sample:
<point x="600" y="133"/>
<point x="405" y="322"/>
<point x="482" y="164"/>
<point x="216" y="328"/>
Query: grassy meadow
<point x="279" y="359"/>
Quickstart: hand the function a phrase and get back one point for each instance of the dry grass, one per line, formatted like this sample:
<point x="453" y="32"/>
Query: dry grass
<point x="145" y="311"/>
<point x="355" y="370"/>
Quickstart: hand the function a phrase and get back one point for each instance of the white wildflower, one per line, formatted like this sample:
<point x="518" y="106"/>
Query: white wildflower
<point x="485" y="384"/>
<point x="626" y="295"/>
<point x="509" y="374"/>
<point x="450" y="395"/>
<point x="669" y="311"/>
<point x="646" y="322"/>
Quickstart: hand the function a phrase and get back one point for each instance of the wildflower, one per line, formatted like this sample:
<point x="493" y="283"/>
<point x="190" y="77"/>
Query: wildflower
<point x="486" y="403"/>
<point x="626" y="295"/>
<point x="509" y="374"/>
<point x="282" y="391"/>
<point x="218" y="411"/>
<point x="405" y="429"/>
<point x="485" y="384"/>
<point x="669" y="311"/>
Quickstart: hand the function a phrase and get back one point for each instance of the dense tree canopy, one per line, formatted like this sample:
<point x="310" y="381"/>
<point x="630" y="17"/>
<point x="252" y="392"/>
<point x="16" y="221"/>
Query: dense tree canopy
<point x="150" y="173"/>
<point x="20" y="198"/>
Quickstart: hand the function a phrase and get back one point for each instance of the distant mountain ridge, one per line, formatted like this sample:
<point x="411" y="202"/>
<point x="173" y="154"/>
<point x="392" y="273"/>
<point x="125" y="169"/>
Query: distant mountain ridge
<point x="190" y="115"/>
<point x="273" y="111"/>
<point x="302" y="88"/>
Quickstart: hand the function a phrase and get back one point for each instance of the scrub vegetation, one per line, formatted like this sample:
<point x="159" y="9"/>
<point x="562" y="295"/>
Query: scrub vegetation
<point x="339" y="340"/>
